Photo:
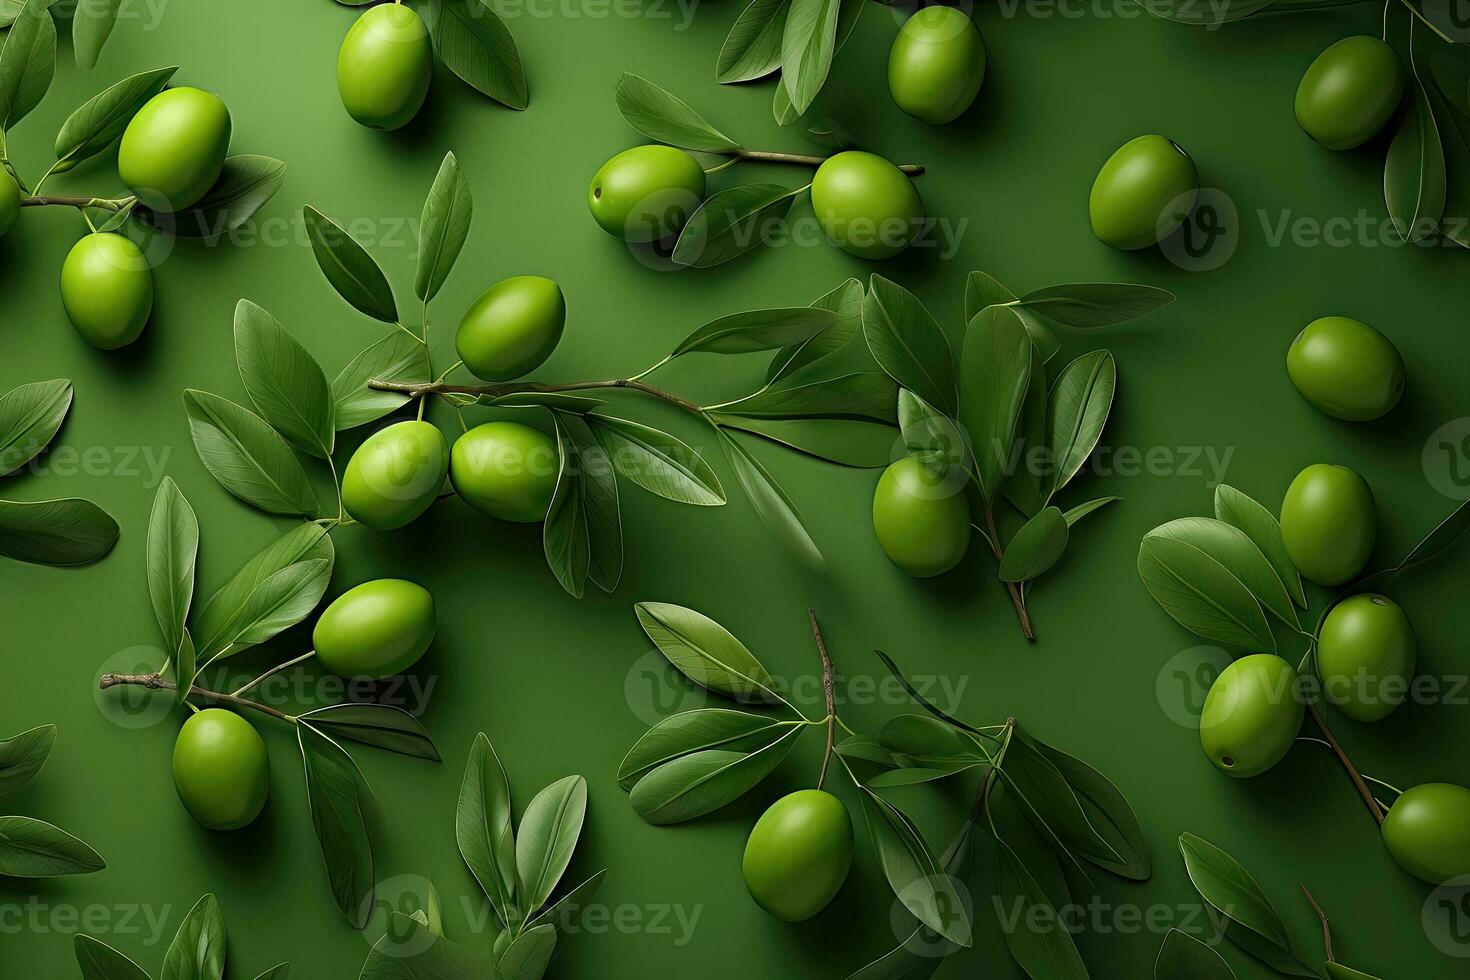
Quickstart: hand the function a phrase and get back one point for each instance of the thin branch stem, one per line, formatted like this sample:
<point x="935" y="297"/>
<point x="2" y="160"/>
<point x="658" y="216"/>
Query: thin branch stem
<point x="993" y="536"/>
<point x="1321" y="917"/>
<point x="154" y="682"/>
<point x="106" y="204"/>
<point x="829" y="689"/>
<point x="416" y="390"/>
<point x="272" y="672"/>
<point x="804" y="159"/>
<point x="1353" y="772"/>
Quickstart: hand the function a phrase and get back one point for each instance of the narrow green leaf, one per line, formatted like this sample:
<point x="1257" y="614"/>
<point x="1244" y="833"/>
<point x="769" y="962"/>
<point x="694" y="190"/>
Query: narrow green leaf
<point x="697" y="730"/>
<point x="1183" y="957"/>
<point x="91" y="24"/>
<point x="1108" y="812"/>
<point x="171" y="549"/>
<point x="752" y="49"/>
<point x="995" y="371"/>
<point x="1414" y="171"/>
<point x="658" y="462"/>
<point x="198" y="948"/>
<point x="982" y="290"/>
<point x="1436" y="542"/>
<point x="917" y="881"/>
<point x="98" y="122"/>
<point x="31" y="848"/>
<point x="565" y="914"/>
<point x="665" y="117"/>
<point x="733" y="221"/>
<point x="924" y="737"/>
<point x="705" y="652"/>
<point x="474" y="42"/>
<point x="548" y="835"/>
<point x="381" y="725"/>
<point x="70" y="531"/>
<point x="1260" y="525"/>
<point x="1201" y="595"/>
<point x="756" y="330"/>
<point x="30" y="417"/>
<point x="186" y="666"/>
<point x="529" y="955"/>
<point x="338" y="801"/>
<point x="811" y="357"/>
<point x="224" y="616"/>
<point x="443" y="228"/>
<point x="775" y="509"/>
<point x="701" y="782"/>
<point x="1036" y="547"/>
<point x="397" y="357"/>
<point x="598" y="485"/>
<point x="23" y="755"/>
<point x="848" y="442"/>
<point x="908" y="343"/>
<point x="247" y="182"/>
<point x="99" y="961"/>
<point x="247" y="456"/>
<point x="27" y="62"/>
<point x="409" y="951"/>
<point x="284" y="381"/>
<point x="869" y="395"/>
<point x="1240" y="556"/>
<point x="564" y="537"/>
<point x="349" y="268"/>
<point x="1075" y="514"/>
<point x="807" y="48"/>
<point x="1035" y="932"/>
<point x="482" y="825"/>
<point x="1095" y="304"/>
<point x="1080" y="403"/>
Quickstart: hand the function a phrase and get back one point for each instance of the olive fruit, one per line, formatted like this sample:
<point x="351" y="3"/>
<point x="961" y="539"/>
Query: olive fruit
<point x="506" y="470"/>
<point x="798" y="854"/>
<point x="174" y="148"/>
<point x="1346" y="368"/>
<point x="1427" y="831"/>
<point x="384" y="66"/>
<point x="647" y="193"/>
<point x="395" y="475"/>
<point x="936" y="64"/>
<point x="922" y="519"/>
<point x="512" y="328"/>
<point x="1328" y="523"/>
<point x="107" y="289"/>
<point x="376" y="629"/>
<point x="1349" y="92"/>
<point x="1365" y="656"/>
<point x="221" y="769"/>
<point x="866" y="205"/>
<point x="1252" y="714"/>
<point x="1143" y="193"/>
<point x="10" y="198"/>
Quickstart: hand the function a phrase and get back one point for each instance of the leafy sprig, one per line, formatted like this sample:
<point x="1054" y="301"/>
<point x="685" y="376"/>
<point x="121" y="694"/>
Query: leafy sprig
<point x="197" y="952"/>
<point x="31" y="848"/>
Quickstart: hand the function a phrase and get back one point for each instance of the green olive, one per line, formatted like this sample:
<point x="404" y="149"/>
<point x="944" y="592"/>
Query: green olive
<point x="1349" y="92"/>
<point x="221" y="769"/>
<point x="107" y="289"/>
<point x="922" y="520"/>
<point x="1252" y="715"/>
<point x="10" y="198"/>
<point x="1365" y="656"/>
<point x="937" y="64"/>
<point x="866" y="205"/>
<point x="384" y="66"/>
<point x="1329" y="523"/>
<point x="506" y="470"/>
<point x="798" y="854"/>
<point x="395" y="475"/>
<point x="1346" y="368"/>
<point x="376" y="629"/>
<point x="646" y="194"/>
<point x="512" y="328"/>
<point x="1428" y="832"/>
<point x="1143" y="193"/>
<point x="174" y="148"/>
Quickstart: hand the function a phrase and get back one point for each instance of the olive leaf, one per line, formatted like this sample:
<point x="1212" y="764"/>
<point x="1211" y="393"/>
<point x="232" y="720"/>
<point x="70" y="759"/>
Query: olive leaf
<point x="64" y="532"/>
<point x="1455" y="141"/>
<point x="705" y="652"/>
<point x="566" y="912"/>
<point x="1201" y="595"/>
<point x="278" y="972"/>
<point x="397" y="357"/>
<point x="282" y="600"/>
<point x="1080" y="403"/>
<point x="380" y="725"/>
<point x="240" y="607"/>
<point x="245" y="184"/>
<point x="1234" y="550"/>
<point x="1451" y="67"/>
<point x="1183" y="957"/>
<point x="1047" y="949"/>
<point x="756" y="330"/>
<point x="172" y="547"/>
<point x="547" y="837"/>
<point x="349" y="268"/>
<point x="30" y="417"/>
<point x="408" y="950"/>
<point x="1054" y="806"/>
<point x="924" y="737"/>
<point x="920" y="885"/>
<point x="99" y="961"/>
<point x="474" y="42"/>
<point x="919" y="698"/>
<point x="1250" y="920"/>
<point x="733" y="221"/>
<point x="663" y="116"/>
<point x="482" y="826"/>
<point x="27" y="62"/>
<point x="247" y="456"/>
<point x="583" y="535"/>
<point x="908" y="343"/>
<point x="1095" y="304"/>
<point x="702" y="782"/>
<point x="23" y="755"/>
<point x="1261" y="526"/>
<point x="808" y="356"/>
<point x="1109" y="814"/>
<point x="868" y="395"/>
<point x="1437" y="541"/>
<point x="808" y="45"/>
<point x="1036" y="547"/>
<point x="775" y="509"/>
<point x="929" y="435"/>
<point x="1028" y="484"/>
<point x="284" y="381"/>
<point x="564" y="536"/>
<point x="91" y="24"/>
<point x="338" y="799"/>
<point x="443" y="227"/>
<point x="99" y="121"/>
<point x="186" y="667"/>
<point x="198" y="948"/>
<point x="694" y="731"/>
<point x="848" y="442"/>
<point x="1414" y="170"/>
<point x="1075" y="514"/>
<point x="658" y="462"/>
<point x="752" y="49"/>
<point x="529" y="955"/>
<point x="995" y="371"/>
<point x="31" y="848"/>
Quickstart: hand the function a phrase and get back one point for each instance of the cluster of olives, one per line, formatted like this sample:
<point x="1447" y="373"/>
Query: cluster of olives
<point x="373" y="631"/>
<point x="502" y="469"/>
<point x="384" y="66"/>
<point x="171" y="154"/>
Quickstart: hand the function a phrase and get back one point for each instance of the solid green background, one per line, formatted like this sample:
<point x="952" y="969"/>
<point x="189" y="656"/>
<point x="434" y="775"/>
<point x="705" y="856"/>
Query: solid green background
<point x="559" y="685"/>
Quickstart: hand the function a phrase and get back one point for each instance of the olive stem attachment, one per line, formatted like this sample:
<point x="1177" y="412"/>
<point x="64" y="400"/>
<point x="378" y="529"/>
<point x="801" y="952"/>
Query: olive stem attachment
<point x="107" y="204"/>
<point x="1017" y="600"/>
<point x="1347" y="763"/>
<point x="801" y="159"/>
<point x="828" y="689"/>
<point x="154" y="682"/>
<point x="416" y="390"/>
<point x="1321" y="917"/>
